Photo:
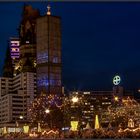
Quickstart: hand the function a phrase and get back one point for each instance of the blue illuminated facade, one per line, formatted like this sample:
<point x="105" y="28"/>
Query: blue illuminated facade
<point x="42" y="57"/>
<point x="49" y="55"/>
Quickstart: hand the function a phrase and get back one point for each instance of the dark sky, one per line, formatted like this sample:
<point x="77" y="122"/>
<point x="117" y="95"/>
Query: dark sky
<point x="99" y="40"/>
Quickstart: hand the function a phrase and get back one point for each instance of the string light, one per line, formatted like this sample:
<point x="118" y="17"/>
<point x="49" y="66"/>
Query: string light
<point x="38" y="107"/>
<point x="121" y="112"/>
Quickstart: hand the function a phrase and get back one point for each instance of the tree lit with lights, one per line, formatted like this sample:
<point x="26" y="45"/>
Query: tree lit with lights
<point x="120" y="112"/>
<point x="47" y="110"/>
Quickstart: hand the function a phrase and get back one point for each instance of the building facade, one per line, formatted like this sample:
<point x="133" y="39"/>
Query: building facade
<point x="90" y="104"/>
<point x="49" y="54"/>
<point x="27" y="37"/>
<point x="16" y="94"/>
<point x="39" y="41"/>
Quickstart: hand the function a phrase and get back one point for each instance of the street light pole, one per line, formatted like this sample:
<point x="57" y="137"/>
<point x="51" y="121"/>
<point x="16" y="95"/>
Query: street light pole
<point x="17" y="122"/>
<point x="75" y="99"/>
<point x="47" y="111"/>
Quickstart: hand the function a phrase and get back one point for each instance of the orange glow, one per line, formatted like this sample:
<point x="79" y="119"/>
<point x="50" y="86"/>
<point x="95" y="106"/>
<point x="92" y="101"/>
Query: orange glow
<point x="116" y="98"/>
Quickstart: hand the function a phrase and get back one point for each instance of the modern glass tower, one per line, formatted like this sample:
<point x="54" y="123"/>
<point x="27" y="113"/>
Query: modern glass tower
<point x="49" y="54"/>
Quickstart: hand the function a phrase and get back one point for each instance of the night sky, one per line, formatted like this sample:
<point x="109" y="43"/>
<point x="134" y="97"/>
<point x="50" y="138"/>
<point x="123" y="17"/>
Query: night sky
<point x="99" y="40"/>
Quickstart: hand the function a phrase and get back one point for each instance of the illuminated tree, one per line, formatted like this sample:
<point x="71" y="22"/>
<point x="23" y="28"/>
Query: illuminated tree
<point x="121" y="111"/>
<point x="39" y="111"/>
<point x="73" y="110"/>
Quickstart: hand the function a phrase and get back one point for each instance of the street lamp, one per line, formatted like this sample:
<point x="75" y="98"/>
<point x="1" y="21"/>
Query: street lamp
<point x="47" y="111"/>
<point x="21" y="117"/>
<point x="17" y="121"/>
<point x="75" y="99"/>
<point x="116" y="98"/>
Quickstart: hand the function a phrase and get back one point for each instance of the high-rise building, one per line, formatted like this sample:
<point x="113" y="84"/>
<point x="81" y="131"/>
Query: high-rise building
<point x="18" y="88"/>
<point x="91" y="103"/>
<point x="88" y="105"/>
<point x="49" y="54"/>
<point x="16" y="94"/>
<point x="40" y="41"/>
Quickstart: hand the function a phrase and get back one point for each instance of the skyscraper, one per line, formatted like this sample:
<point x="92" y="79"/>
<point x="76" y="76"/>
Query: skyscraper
<point x="49" y="54"/>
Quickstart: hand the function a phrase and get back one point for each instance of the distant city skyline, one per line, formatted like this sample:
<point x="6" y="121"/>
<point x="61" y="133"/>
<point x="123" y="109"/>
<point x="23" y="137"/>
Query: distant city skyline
<point x="99" y="40"/>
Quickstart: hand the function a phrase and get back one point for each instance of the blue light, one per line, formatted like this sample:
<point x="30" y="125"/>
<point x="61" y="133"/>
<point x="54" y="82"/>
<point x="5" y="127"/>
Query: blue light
<point x="43" y="81"/>
<point x="55" y="82"/>
<point x="55" y="60"/>
<point x="65" y="128"/>
<point x="42" y="57"/>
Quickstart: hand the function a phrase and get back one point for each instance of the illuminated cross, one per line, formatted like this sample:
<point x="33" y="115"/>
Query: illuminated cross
<point x="48" y="12"/>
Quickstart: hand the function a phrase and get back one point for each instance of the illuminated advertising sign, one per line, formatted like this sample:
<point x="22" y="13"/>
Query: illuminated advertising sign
<point x="74" y="125"/>
<point x="26" y="129"/>
<point x="14" y="46"/>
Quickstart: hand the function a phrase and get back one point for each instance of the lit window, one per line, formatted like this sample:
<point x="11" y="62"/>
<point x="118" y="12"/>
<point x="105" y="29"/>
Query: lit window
<point x="55" y="60"/>
<point x="86" y="92"/>
<point x="27" y="42"/>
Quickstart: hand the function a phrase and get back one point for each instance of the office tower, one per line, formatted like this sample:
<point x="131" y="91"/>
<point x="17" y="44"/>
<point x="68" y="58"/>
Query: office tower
<point x="16" y="95"/>
<point x="89" y="104"/>
<point x="49" y="54"/>
<point x="18" y="91"/>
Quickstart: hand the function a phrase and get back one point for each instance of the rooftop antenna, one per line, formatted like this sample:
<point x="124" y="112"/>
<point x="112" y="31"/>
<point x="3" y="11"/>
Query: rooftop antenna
<point x="49" y="11"/>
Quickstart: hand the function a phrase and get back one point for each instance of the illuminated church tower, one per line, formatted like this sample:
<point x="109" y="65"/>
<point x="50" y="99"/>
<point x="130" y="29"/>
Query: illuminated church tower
<point x="27" y="36"/>
<point x="49" y="54"/>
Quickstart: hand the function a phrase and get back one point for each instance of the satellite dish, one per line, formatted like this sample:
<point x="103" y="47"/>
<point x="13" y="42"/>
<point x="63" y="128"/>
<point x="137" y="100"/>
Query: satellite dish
<point x="116" y="80"/>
